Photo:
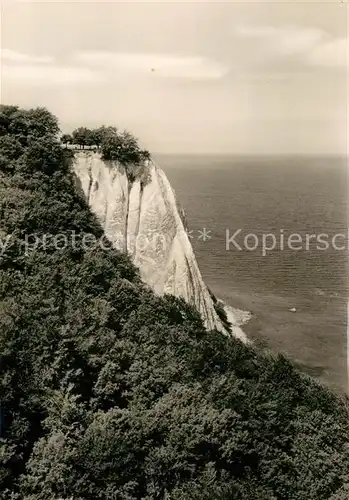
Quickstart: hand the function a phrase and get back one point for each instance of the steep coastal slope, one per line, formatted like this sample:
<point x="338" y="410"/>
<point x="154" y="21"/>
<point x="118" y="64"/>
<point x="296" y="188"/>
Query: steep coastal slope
<point x="141" y="216"/>
<point x="109" y="391"/>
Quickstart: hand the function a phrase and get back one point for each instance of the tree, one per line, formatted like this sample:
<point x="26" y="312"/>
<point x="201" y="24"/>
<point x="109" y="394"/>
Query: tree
<point x="42" y="123"/>
<point x="102" y="133"/>
<point x="19" y="126"/>
<point x="84" y="136"/>
<point x="10" y="147"/>
<point x="5" y="117"/>
<point x="27" y="125"/>
<point x="33" y="124"/>
<point x="80" y="136"/>
<point x="123" y="147"/>
<point x="90" y="138"/>
<point x="66" y="139"/>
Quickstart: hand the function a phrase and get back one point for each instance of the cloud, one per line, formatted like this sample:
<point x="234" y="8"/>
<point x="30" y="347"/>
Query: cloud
<point x="169" y="66"/>
<point x="99" y="66"/>
<point x="330" y="54"/>
<point x="12" y="56"/>
<point x="287" y="40"/>
<point x="34" y="74"/>
<point x="312" y="46"/>
<point x="29" y="69"/>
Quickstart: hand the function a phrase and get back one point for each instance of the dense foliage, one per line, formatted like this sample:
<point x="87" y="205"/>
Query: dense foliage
<point x="113" y="145"/>
<point x="110" y="392"/>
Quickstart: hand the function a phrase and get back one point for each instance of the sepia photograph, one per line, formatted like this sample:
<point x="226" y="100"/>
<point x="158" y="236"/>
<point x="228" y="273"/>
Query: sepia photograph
<point x="174" y="247"/>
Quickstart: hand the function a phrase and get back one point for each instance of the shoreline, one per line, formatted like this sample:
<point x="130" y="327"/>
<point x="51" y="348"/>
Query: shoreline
<point x="237" y="318"/>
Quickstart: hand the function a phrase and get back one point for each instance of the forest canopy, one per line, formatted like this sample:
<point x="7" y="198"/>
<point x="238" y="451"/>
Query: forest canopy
<point x="111" y="392"/>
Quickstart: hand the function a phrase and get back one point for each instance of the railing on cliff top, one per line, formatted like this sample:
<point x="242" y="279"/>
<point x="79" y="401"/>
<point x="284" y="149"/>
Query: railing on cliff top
<point x="76" y="147"/>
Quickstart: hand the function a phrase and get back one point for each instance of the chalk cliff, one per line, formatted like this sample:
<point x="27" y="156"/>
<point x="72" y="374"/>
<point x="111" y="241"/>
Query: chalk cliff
<point x="140" y="216"/>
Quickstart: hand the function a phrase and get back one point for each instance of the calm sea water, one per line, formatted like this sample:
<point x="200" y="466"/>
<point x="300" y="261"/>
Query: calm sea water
<point x="274" y="195"/>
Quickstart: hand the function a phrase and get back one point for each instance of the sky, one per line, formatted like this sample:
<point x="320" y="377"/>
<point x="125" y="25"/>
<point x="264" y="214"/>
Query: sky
<point x="185" y="77"/>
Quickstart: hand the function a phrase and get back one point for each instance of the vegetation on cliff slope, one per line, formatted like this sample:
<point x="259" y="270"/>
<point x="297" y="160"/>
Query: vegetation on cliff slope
<point x="113" y="144"/>
<point x="110" y="392"/>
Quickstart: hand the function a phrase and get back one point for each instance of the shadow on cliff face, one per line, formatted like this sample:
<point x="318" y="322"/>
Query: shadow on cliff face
<point x="219" y="308"/>
<point x="133" y="171"/>
<point x="183" y="216"/>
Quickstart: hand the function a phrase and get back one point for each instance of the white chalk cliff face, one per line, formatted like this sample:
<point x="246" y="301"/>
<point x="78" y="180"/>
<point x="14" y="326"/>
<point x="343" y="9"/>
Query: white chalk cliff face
<point x="142" y="218"/>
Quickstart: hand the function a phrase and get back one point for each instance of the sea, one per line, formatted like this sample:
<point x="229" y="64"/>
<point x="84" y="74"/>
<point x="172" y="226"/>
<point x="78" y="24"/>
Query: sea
<point x="271" y="237"/>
